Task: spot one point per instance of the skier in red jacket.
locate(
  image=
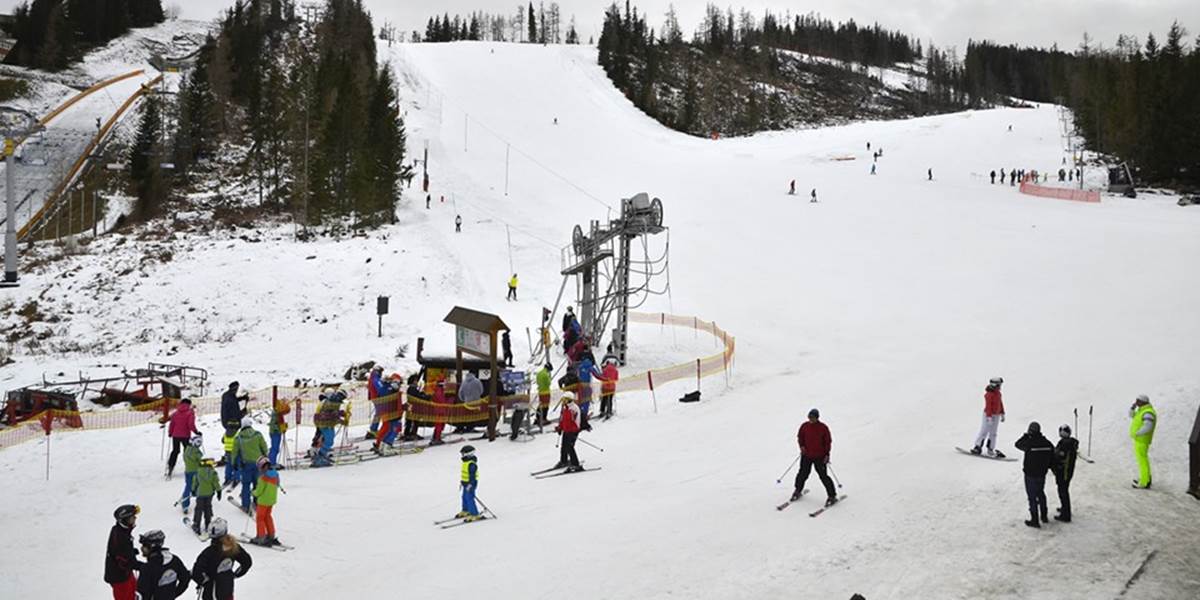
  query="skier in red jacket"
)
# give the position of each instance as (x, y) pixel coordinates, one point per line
(568, 427)
(815, 444)
(993, 415)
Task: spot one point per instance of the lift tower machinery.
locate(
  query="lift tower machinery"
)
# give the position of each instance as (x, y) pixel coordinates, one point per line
(601, 261)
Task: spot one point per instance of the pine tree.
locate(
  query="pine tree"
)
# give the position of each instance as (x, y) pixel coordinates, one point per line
(149, 187)
(533, 26)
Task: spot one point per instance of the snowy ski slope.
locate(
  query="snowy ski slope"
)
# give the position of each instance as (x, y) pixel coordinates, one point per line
(888, 305)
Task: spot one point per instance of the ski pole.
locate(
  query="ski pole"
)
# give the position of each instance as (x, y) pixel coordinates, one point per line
(789, 469)
(590, 444)
(835, 479)
(1076, 430)
(1090, 407)
(485, 507)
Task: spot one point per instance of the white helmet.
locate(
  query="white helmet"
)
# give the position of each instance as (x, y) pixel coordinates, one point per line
(218, 528)
(247, 422)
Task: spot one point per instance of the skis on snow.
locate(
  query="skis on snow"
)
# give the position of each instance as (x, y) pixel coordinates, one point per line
(276, 547)
(461, 521)
(561, 473)
(790, 501)
(818, 512)
(981, 455)
(551, 469)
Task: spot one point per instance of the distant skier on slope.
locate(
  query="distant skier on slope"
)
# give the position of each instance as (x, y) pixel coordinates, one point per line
(993, 177)
(1065, 454)
(1003, 176)
(815, 443)
(792, 189)
(930, 174)
(1039, 455)
(457, 223)
(512, 288)
(993, 415)
(813, 195)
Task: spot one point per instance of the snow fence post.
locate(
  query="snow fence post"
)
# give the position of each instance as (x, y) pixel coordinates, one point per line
(697, 375)
(299, 407)
(162, 447)
(47, 425)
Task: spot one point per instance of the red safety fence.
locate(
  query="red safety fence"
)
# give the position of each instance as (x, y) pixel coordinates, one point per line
(360, 410)
(1060, 193)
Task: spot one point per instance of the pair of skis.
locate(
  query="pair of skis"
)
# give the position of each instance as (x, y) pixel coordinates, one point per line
(458, 521)
(558, 471)
(815, 513)
(276, 547)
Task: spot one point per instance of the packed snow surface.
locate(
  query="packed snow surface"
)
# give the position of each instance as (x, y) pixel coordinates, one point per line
(888, 305)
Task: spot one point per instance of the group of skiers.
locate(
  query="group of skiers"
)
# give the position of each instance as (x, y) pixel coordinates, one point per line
(1015, 176)
(1042, 456)
(247, 461)
(162, 575)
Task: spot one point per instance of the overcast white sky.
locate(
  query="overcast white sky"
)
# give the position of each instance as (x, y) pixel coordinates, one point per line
(946, 22)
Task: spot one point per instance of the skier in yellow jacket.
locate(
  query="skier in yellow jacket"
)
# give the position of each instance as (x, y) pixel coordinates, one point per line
(1142, 422)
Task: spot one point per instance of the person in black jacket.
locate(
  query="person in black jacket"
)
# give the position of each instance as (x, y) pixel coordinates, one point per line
(231, 412)
(214, 569)
(121, 561)
(163, 576)
(1064, 469)
(1039, 455)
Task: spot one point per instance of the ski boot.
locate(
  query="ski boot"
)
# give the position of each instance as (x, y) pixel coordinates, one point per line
(976, 450)
(472, 518)
(462, 514)
(999, 454)
(574, 469)
(796, 495)
(273, 541)
(831, 501)
(1061, 518)
(436, 442)
(1033, 523)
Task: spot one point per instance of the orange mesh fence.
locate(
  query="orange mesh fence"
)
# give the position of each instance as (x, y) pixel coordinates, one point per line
(360, 410)
(1060, 193)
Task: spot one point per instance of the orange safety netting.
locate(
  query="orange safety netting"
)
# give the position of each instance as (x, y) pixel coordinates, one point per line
(359, 410)
(1060, 193)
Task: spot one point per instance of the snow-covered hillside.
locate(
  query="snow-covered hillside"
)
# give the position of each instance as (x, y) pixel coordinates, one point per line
(888, 305)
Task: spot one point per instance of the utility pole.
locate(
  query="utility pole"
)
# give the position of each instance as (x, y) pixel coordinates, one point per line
(17, 125)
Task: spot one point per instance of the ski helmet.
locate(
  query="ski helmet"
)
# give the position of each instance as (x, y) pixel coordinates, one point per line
(197, 440)
(467, 450)
(1143, 399)
(218, 528)
(1064, 431)
(207, 462)
(377, 368)
(233, 386)
(126, 512)
(263, 462)
(814, 413)
(996, 380)
(1035, 427)
(152, 539)
(247, 422)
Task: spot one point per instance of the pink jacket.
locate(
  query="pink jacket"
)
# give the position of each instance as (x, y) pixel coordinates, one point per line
(183, 422)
